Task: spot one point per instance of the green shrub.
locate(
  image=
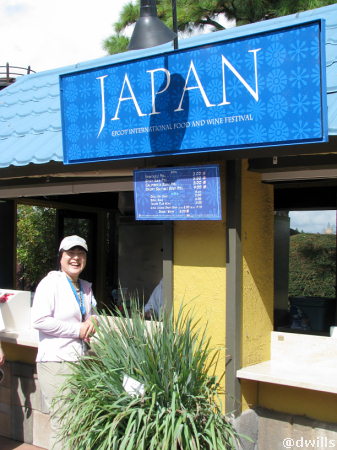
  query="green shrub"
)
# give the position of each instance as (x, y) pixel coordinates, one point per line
(312, 265)
(180, 408)
(36, 255)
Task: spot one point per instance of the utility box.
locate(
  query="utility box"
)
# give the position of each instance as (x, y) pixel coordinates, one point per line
(15, 309)
(317, 312)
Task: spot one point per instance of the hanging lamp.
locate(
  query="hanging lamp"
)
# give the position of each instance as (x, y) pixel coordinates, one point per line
(149, 31)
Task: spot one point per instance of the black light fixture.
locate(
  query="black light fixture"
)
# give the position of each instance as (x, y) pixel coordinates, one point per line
(149, 31)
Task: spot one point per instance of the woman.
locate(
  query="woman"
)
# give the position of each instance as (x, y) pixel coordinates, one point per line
(62, 313)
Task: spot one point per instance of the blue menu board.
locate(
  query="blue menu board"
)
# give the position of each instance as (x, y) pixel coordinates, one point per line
(179, 193)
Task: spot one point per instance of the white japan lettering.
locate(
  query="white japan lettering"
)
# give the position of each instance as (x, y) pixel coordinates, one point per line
(127, 93)
(153, 92)
(255, 93)
(199, 86)
(124, 99)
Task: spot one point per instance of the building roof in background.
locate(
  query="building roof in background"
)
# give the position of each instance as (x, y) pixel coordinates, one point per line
(30, 112)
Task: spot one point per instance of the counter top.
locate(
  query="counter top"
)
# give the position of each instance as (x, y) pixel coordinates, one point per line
(27, 338)
(30, 337)
(303, 376)
(298, 360)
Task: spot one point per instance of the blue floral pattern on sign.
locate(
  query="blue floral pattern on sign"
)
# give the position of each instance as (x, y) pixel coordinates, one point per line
(263, 90)
(277, 107)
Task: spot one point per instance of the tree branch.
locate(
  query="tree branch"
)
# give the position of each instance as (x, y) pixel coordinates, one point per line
(213, 23)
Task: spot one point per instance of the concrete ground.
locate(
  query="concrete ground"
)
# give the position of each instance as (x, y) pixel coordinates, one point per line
(9, 444)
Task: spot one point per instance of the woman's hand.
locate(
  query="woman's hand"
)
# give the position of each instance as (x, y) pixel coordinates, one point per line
(87, 328)
(2, 357)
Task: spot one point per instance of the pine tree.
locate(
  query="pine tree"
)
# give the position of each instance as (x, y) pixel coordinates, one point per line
(194, 16)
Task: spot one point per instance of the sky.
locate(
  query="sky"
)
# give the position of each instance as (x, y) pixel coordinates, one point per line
(46, 34)
(313, 221)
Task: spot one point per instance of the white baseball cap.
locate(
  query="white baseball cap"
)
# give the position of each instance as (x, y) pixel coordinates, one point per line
(73, 241)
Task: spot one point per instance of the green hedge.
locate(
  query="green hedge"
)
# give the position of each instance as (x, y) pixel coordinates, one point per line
(312, 265)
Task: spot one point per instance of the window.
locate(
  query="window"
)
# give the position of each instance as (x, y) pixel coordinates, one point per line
(305, 271)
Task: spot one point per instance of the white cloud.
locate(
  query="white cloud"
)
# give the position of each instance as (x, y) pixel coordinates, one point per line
(46, 34)
(15, 8)
(312, 221)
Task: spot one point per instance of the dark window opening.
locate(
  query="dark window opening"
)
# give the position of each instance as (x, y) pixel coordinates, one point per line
(305, 269)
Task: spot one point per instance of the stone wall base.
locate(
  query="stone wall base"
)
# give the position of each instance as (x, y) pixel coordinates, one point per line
(23, 414)
(24, 417)
(272, 430)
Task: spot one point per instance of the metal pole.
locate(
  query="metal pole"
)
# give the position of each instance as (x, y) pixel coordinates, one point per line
(175, 24)
(234, 286)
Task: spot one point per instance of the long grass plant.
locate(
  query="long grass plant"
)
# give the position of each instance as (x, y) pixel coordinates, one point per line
(179, 407)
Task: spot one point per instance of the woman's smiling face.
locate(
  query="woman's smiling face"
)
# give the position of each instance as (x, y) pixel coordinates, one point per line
(73, 262)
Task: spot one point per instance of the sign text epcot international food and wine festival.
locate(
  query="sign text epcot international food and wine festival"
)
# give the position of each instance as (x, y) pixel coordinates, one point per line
(266, 89)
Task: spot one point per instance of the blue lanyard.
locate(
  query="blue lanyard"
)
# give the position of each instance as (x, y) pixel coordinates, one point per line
(79, 297)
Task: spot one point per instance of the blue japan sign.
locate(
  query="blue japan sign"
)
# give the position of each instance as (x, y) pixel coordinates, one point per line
(179, 193)
(266, 89)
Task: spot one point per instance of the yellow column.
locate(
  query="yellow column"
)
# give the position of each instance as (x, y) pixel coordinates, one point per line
(257, 277)
(199, 276)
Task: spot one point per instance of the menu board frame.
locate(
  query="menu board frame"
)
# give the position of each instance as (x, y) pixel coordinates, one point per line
(178, 193)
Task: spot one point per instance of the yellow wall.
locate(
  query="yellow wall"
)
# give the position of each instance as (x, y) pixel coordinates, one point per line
(303, 402)
(257, 314)
(257, 276)
(258, 268)
(199, 276)
(200, 273)
(20, 353)
(200, 281)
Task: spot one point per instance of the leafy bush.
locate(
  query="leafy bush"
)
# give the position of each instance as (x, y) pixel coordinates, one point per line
(37, 242)
(180, 407)
(312, 265)
(36, 256)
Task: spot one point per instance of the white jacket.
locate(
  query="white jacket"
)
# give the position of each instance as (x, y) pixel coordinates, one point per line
(156, 299)
(57, 316)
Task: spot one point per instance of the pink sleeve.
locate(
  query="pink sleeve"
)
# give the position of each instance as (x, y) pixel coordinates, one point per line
(43, 313)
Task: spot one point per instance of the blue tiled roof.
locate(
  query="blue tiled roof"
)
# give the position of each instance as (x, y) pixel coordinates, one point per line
(30, 115)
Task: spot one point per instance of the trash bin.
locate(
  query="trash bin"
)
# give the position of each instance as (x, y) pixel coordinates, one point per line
(317, 313)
